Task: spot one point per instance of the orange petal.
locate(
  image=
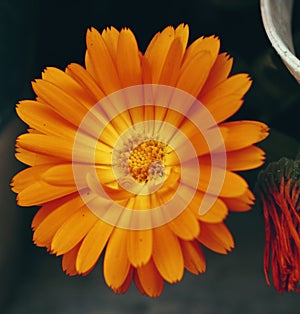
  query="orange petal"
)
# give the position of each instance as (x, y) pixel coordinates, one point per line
(217, 213)
(185, 225)
(244, 133)
(167, 254)
(199, 141)
(175, 118)
(206, 48)
(116, 264)
(226, 98)
(40, 192)
(160, 112)
(194, 259)
(152, 44)
(150, 279)
(100, 64)
(92, 246)
(241, 203)
(210, 44)
(157, 51)
(137, 114)
(170, 70)
(63, 175)
(138, 283)
(47, 209)
(111, 132)
(216, 237)
(191, 79)
(182, 32)
(69, 85)
(139, 202)
(32, 159)
(27, 177)
(44, 119)
(111, 37)
(222, 108)
(237, 160)
(105, 174)
(116, 126)
(73, 230)
(47, 145)
(232, 184)
(219, 72)
(128, 60)
(48, 227)
(139, 246)
(62, 148)
(126, 284)
(42, 213)
(84, 78)
(244, 159)
(146, 70)
(69, 259)
(237, 85)
(61, 102)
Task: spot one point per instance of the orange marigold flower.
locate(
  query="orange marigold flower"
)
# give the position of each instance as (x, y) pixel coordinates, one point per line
(130, 157)
(279, 188)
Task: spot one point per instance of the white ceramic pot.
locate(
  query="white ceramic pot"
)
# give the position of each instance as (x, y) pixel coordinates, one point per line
(277, 17)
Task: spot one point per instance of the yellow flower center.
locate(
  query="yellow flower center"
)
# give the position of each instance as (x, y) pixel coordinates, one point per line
(146, 161)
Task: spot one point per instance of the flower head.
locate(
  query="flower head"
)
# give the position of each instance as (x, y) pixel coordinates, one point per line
(279, 187)
(130, 157)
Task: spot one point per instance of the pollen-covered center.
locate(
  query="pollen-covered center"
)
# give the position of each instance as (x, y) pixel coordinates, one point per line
(146, 161)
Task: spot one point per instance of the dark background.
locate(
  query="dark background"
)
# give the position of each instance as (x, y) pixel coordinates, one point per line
(35, 34)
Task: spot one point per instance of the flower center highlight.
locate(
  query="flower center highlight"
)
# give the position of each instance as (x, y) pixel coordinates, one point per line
(146, 161)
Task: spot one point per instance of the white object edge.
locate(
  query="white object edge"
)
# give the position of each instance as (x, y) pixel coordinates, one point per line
(277, 16)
